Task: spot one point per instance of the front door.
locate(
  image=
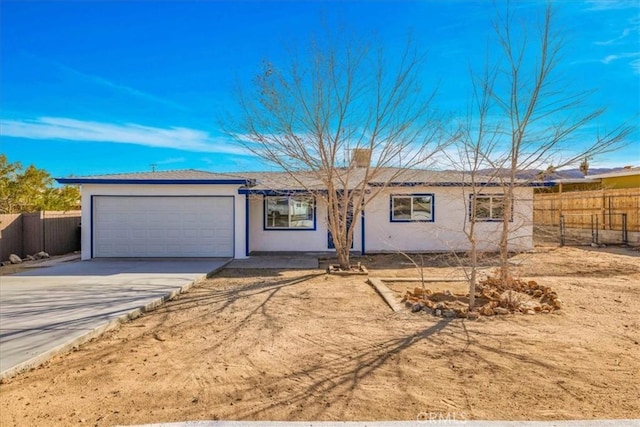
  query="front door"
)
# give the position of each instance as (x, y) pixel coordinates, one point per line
(349, 219)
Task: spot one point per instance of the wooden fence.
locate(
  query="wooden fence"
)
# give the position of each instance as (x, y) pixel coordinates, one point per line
(596, 216)
(608, 208)
(25, 234)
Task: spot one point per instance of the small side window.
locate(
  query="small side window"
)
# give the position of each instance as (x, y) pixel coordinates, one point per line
(489, 207)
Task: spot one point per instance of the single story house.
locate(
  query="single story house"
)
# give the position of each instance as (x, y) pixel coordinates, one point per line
(191, 213)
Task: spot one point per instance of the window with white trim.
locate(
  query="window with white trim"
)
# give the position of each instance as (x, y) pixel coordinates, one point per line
(489, 207)
(412, 208)
(289, 213)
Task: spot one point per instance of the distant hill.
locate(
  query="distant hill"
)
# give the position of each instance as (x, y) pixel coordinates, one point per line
(562, 174)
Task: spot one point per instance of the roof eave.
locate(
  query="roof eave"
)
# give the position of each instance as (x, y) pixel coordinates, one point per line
(458, 184)
(576, 181)
(248, 182)
(619, 174)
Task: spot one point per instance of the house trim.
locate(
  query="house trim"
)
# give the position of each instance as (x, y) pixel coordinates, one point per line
(282, 193)
(362, 233)
(246, 224)
(458, 184)
(91, 227)
(155, 181)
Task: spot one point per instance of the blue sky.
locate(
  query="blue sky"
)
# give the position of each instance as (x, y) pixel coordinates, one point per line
(108, 87)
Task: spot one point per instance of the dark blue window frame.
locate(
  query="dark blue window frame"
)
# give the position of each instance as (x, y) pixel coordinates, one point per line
(289, 198)
(412, 196)
(490, 196)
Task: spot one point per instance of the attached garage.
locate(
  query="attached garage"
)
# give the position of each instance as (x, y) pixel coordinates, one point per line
(164, 214)
(165, 226)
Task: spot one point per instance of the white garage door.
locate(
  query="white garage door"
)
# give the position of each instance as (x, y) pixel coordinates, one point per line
(162, 226)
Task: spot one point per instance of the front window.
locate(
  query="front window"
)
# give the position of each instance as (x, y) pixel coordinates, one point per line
(412, 207)
(489, 207)
(289, 212)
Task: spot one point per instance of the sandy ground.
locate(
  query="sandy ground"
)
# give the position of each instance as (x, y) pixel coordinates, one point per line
(261, 345)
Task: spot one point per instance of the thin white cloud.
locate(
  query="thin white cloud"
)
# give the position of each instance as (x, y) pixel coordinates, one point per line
(170, 161)
(100, 81)
(610, 58)
(595, 5)
(60, 128)
(625, 33)
(634, 64)
(126, 89)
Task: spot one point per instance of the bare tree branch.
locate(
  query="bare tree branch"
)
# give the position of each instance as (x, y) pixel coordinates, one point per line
(537, 120)
(336, 99)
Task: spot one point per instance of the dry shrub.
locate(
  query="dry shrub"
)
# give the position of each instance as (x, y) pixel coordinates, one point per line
(512, 300)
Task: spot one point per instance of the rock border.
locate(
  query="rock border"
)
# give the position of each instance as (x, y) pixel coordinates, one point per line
(359, 270)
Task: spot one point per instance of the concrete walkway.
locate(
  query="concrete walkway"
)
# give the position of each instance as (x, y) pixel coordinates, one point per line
(280, 262)
(46, 311)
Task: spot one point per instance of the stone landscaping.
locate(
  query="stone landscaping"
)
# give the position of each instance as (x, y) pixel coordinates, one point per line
(357, 269)
(15, 259)
(492, 298)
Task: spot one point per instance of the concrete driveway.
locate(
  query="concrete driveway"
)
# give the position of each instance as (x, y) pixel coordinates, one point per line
(50, 310)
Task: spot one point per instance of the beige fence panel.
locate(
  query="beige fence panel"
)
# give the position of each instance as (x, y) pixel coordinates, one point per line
(32, 242)
(578, 207)
(10, 235)
(595, 216)
(61, 232)
(54, 232)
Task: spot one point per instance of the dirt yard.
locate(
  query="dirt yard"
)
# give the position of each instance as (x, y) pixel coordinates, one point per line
(264, 345)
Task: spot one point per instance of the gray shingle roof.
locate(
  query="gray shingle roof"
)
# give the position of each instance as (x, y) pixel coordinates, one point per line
(395, 176)
(181, 174)
(263, 181)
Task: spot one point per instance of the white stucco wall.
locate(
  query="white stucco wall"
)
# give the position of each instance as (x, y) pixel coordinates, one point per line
(261, 240)
(89, 190)
(446, 233)
(381, 235)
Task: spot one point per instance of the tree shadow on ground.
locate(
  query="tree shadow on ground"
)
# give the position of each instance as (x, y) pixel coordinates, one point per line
(340, 375)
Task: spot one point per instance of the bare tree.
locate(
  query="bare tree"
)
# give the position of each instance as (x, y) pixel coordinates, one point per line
(338, 117)
(541, 122)
(476, 142)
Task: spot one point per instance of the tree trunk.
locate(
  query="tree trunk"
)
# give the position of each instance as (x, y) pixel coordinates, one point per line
(343, 258)
(474, 274)
(504, 238)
